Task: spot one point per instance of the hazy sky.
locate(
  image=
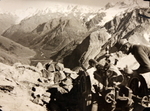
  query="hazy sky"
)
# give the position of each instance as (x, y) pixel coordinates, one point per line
(10, 5)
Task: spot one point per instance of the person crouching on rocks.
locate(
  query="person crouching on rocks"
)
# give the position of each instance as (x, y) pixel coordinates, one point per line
(140, 52)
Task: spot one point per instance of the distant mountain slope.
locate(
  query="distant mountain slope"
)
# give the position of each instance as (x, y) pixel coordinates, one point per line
(11, 52)
(95, 20)
(55, 35)
(49, 37)
(22, 30)
(6, 20)
(69, 39)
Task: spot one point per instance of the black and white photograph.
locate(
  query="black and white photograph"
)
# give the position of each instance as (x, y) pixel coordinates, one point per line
(74, 55)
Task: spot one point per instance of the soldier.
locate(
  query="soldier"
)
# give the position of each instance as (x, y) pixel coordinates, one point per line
(140, 52)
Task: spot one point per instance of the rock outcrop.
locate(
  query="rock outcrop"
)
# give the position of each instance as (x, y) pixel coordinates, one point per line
(24, 87)
(89, 48)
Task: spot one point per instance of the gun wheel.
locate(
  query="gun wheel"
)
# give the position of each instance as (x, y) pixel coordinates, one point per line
(145, 101)
(138, 85)
(109, 98)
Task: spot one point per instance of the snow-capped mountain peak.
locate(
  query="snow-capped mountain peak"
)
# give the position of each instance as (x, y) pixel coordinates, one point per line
(110, 9)
(64, 9)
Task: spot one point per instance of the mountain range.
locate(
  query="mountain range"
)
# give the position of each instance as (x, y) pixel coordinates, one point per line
(72, 35)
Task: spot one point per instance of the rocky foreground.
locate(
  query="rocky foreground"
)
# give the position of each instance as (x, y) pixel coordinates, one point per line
(23, 88)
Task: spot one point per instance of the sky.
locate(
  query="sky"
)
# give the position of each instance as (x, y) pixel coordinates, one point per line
(11, 5)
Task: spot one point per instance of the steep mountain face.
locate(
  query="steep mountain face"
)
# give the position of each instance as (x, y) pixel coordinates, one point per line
(57, 34)
(127, 25)
(130, 25)
(70, 39)
(21, 33)
(89, 48)
(6, 20)
(52, 35)
(95, 20)
(49, 37)
(12, 52)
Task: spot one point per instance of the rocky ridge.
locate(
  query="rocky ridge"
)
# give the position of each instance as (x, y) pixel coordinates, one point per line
(70, 33)
(27, 86)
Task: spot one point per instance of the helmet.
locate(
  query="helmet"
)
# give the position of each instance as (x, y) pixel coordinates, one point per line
(120, 43)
